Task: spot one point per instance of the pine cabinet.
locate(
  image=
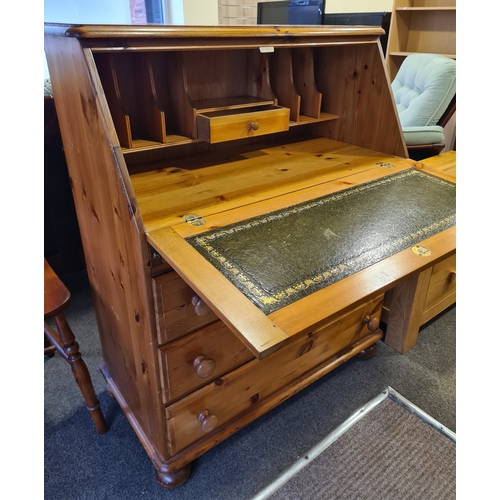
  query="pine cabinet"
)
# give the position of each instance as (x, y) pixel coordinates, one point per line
(171, 133)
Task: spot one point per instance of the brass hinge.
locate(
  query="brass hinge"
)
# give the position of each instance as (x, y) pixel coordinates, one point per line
(194, 220)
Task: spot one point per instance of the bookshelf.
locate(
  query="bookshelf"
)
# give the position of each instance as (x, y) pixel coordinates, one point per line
(420, 26)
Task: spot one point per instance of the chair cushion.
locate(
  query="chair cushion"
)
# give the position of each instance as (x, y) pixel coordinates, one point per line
(423, 88)
(423, 135)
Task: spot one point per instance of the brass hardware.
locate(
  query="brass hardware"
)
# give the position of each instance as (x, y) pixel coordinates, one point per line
(421, 251)
(384, 164)
(194, 220)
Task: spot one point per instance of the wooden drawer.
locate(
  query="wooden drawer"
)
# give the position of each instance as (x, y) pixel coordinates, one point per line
(176, 311)
(442, 288)
(198, 358)
(157, 264)
(230, 124)
(226, 397)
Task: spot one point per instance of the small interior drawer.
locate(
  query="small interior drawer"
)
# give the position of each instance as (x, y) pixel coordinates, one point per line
(230, 124)
(207, 409)
(198, 358)
(178, 310)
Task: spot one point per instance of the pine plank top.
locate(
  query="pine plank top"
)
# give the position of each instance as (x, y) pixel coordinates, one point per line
(243, 177)
(156, 31)
(444, 162)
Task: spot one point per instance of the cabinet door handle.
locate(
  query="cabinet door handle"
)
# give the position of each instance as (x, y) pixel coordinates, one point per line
(204, 366)
(373, 324)
(208, 421)
(200, 308)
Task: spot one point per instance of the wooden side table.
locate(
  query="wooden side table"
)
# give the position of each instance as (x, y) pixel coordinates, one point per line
(57, 298)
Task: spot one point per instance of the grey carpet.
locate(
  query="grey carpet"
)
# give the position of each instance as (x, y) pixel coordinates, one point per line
(81, 464)
(390, 453)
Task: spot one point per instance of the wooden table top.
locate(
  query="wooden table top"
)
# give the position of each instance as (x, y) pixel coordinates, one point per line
(445, 162)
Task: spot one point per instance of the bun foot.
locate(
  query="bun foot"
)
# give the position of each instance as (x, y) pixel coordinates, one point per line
(369, 352)
(175, 479)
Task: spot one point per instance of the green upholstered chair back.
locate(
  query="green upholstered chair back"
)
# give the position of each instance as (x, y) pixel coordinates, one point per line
(423, 88)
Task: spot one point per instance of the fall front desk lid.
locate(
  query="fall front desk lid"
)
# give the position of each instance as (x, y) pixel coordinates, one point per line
(280, 257)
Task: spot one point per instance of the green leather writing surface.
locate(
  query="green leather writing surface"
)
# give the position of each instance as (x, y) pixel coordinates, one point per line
(280, 257)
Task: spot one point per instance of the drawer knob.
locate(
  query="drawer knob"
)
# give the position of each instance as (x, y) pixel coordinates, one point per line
(254, 126)
(208, 421)
(200, 308)
(452, 277)
(204, 366)
(373, 324)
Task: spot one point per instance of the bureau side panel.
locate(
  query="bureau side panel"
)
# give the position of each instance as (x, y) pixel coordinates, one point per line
(355, 86)
(112, 235)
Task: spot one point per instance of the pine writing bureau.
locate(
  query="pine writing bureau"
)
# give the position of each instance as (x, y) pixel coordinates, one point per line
(205, 163)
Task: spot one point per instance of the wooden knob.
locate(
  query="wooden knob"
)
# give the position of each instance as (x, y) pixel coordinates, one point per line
(254, 126)
(208, 421)
(200, 308)
(204, 366)
(452, 277)
(373, 324)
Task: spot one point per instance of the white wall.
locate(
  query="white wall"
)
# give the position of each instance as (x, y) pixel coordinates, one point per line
(174, 11)
(335, 6)
(87, 11)
(201, 12)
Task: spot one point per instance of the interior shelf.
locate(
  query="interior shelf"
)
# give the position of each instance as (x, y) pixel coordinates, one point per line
(323, 117)
(140, 145)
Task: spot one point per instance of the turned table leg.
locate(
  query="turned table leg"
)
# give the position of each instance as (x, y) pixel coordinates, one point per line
(66, 345)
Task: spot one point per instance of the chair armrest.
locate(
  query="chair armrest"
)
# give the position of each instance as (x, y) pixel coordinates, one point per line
(423, 135)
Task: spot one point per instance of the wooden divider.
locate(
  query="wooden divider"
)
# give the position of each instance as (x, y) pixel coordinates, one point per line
(128, 82)
(182, 114)
(109, 82)
(303, 76)
(281, 71)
